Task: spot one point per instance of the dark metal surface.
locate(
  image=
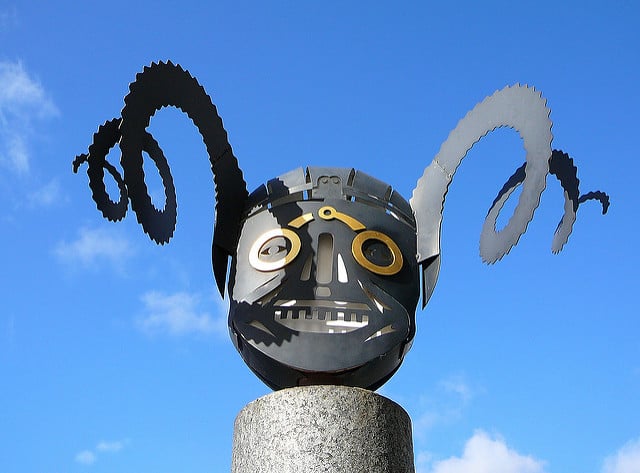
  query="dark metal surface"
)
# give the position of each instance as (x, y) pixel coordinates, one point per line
(326, 263)
(332, 313)
(162, 85)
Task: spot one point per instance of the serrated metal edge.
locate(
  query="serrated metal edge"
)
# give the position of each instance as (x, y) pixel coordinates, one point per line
(518, 107)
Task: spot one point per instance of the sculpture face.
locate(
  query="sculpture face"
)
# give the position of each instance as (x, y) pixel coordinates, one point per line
(325, 263)
(324, 288)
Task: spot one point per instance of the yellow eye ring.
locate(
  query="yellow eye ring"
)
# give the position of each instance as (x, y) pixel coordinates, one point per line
(258, 247)
(358, 253)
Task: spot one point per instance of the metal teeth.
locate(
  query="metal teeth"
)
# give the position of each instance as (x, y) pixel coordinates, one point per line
(320, 320)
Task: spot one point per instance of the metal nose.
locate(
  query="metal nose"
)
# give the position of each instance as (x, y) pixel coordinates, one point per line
(324, 259)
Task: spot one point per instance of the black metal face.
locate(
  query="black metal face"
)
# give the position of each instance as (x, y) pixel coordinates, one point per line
(324, 289)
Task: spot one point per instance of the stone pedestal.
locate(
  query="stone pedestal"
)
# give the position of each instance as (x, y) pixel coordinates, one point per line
(322, 429)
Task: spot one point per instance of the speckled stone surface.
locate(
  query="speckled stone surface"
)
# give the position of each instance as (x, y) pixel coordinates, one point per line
(322, 429)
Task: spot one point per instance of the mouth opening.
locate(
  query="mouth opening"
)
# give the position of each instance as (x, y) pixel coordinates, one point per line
(316, 316)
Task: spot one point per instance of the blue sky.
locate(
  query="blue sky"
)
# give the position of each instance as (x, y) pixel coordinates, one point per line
(114, 354)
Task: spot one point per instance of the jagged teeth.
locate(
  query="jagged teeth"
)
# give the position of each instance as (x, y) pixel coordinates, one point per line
(319, 320)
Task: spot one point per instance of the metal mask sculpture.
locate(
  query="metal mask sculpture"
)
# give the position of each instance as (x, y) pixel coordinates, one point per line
(322, 285)
(326, 263)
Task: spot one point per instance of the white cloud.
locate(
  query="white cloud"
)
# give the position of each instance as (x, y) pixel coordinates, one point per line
(21, 95)
(179, 314)
(17, 153)
(8, 18)
(47, 195)
(93, 245)
(110, 446)
(89, 457)
(86, 457)
(423, 461)
(22, 101)
(482, 454)
(431, 417)
(457, 385)
(446, 404)
(625, 460)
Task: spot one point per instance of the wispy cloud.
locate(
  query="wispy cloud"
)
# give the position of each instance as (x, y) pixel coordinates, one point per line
(179, 314)
(23, 101)
(93, 246)
(8, 18)
(457, 385)
(46, 195)
(86, 457)
(625, 460)
(21, 95)
(89, 457)
(445, 404)
(111, 446)
(482, 454)
(423, 461)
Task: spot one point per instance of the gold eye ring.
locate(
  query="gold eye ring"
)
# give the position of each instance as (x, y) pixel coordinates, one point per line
(274, 249)
(377, 252)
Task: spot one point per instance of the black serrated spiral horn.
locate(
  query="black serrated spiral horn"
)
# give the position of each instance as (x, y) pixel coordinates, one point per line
(104, 139)
(161, 85)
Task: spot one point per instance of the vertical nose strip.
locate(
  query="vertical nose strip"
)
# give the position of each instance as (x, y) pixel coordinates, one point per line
(324, 263)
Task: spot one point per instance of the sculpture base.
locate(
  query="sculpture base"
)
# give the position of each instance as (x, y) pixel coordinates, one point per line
(322, 429)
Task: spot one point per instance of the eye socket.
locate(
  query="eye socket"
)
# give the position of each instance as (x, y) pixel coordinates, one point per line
(274, 249)
(377, 252)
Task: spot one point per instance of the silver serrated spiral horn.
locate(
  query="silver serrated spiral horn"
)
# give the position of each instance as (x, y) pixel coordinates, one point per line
(518, 107)
(562, 167)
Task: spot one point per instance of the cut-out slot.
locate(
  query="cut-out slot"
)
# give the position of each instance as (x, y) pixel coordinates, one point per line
(383, 331)
(323, 291)
(325, 258)
(306, 270)
(342, 270)
(260, 326)
(319, 321)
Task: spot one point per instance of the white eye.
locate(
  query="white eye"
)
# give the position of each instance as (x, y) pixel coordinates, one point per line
(274, 249)
(377, 252)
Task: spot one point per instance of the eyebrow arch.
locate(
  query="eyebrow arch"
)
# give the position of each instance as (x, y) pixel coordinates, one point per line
(301, 220)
